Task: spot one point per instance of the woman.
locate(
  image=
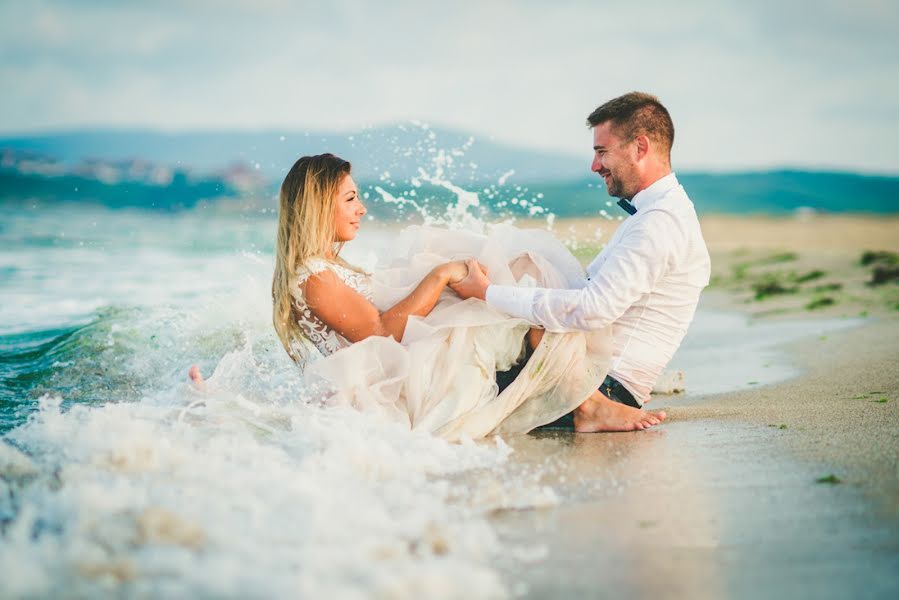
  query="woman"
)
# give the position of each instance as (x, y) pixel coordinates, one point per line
(318, 297)
(399, 343)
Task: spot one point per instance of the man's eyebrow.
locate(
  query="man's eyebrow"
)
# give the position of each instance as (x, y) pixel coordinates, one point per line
(598, 147)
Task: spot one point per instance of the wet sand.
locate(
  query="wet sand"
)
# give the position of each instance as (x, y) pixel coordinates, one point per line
(704, 508)
(788, 489)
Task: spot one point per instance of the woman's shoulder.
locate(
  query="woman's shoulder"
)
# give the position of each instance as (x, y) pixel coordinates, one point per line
(313, 266)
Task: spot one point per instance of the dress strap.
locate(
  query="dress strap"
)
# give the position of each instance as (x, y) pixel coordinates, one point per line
(311, 267)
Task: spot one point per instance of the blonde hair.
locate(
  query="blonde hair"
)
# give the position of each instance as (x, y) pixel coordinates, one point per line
(306, 229)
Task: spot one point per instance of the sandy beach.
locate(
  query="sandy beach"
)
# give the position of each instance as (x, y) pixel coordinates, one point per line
(789, 489)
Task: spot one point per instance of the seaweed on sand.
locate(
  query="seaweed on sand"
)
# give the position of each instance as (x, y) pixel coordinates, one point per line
(741, 269)
(883, 257)
(820, 303)
(771, 285)
(810, 276)
(831, 479)
(884, 274)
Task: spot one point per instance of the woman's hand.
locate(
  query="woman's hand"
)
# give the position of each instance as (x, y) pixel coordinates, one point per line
(475, 283)
(454, 271)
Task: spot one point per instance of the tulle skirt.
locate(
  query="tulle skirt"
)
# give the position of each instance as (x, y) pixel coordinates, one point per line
(442, 376)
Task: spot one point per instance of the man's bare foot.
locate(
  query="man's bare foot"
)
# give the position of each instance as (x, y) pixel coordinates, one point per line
(598, 413)
(196, 378)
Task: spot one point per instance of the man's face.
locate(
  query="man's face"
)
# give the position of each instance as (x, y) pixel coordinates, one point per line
(615, 161)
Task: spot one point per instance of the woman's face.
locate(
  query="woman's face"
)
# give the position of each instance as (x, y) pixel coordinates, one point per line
(348, 210)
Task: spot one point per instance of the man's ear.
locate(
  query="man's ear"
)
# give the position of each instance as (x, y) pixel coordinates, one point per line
(643, 146)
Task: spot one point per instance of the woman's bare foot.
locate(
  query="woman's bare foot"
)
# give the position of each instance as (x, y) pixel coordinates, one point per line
(598, 413)
(196, 378)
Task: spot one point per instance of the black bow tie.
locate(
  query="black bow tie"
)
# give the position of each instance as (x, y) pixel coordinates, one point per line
(627, 206)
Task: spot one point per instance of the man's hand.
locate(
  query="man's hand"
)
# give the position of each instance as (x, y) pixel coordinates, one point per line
(475, 283)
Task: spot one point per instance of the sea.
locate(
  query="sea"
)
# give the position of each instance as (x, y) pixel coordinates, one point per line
(118, 478)
(115, 475)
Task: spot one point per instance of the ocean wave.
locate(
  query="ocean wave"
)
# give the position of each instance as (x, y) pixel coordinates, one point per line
(118, 356)
(116, 478)
(252, 489)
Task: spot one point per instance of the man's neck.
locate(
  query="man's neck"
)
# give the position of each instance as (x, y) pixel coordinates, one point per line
(651, 176)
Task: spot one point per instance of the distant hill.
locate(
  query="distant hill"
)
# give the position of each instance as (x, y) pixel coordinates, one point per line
(399, 149)
(126, 168)
(772, 192)
(779, 192)
(180, 194)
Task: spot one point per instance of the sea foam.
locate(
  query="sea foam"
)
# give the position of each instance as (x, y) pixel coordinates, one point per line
(129, 482)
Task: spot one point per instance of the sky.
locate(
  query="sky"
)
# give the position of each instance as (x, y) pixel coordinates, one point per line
(801, 83)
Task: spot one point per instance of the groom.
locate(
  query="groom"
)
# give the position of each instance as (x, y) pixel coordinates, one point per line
(645, 282)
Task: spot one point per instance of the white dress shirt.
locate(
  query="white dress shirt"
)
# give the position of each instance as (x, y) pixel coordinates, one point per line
(645, 283)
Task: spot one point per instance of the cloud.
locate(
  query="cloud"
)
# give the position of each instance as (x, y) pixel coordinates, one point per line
(761, 84)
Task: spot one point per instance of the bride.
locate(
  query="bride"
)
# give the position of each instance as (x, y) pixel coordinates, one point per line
(401, 344)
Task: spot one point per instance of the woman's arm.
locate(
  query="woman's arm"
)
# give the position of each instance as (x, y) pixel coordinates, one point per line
(348, 312)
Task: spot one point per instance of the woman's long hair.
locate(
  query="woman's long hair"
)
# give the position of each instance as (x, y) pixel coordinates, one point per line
(306, 229)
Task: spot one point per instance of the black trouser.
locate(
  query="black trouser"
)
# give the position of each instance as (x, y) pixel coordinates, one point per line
(611, 388)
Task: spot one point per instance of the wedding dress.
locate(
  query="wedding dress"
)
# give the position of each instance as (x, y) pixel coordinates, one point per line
(441, 376)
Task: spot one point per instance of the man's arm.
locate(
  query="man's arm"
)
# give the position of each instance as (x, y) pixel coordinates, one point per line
(632, 269)
(515, 301)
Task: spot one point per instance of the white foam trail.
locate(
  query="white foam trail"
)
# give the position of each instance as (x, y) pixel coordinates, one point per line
(241, 499)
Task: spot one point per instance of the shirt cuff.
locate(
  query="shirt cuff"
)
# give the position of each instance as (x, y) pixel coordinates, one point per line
(515, 301)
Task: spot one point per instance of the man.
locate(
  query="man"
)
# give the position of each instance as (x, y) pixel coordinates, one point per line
(646, 281)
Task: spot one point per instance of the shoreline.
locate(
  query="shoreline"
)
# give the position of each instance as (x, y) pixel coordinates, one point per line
(840, 411)
(784, 490)
(789, 489)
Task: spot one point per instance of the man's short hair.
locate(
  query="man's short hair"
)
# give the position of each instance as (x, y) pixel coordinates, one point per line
(637, 113)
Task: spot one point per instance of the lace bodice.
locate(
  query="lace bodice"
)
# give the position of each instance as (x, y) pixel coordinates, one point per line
(323, 337)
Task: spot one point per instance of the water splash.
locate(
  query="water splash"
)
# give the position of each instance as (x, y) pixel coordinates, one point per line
(441, 170)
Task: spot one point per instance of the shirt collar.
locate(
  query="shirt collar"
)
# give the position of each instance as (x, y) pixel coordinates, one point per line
(650, 195)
